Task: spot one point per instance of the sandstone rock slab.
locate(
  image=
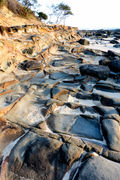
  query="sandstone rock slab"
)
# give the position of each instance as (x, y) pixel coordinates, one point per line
(111, 130)
(99, 168)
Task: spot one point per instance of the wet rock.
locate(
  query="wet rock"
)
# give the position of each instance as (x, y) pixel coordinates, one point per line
(117, 45)
(84, 96)
(104, 86)
(41, 158)
(61, 76)
(98, 71)
(118, 109)
(86, 87)
(83, 42)
(114, 41)
(28, 51)
(71, 153)
(8, 133)
(86, 127)
(111, 130)
(114, 66)
(105, 110)
(94, 52)
(112, 116)
(112, 155)
(106, 101)
(73, 140)
(70, 85)
(59, 93)
(66, 61)
(77, 50)
(104, 62)
(98, 168)
(60, 122)
(79, 78)
(27, 110)
(31, 65)
(111, 54)
(92, 147)
(60, 110)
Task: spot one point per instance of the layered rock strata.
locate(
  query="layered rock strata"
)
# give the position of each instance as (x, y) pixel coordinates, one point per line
(59, 104)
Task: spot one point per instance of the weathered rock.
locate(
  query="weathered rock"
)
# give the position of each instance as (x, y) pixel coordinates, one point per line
(114, 66)
(112, 155)
(98, 168)
(71, 153)
(94, 52)
(41, 158)
(84, 42)
(117, 45)
(112, 116)
(73, 140)
(86, 127)
(28, 51)
(105, 86)
(54, 116)
(86, 87)
(92, 147)
(65, 61)
(8, 133)
(111, 54)
(61, 76)
(111, 130)
(106, 101)
(104, 62)
(27, 110)
(60, 122)
(32, 65)
(59, 93)
(106, 111)
(114, 41)
(98, 71)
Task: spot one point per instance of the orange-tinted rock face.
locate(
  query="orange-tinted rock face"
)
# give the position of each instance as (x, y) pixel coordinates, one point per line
(8, 133)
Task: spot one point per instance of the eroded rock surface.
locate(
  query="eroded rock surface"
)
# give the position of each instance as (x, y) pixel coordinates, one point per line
(59, 103)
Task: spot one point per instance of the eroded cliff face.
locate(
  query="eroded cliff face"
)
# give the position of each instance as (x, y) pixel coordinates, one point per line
(59, 104)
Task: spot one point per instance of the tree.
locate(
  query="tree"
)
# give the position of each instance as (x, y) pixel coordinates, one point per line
(29, 3)
(42, 16)
(61, 12)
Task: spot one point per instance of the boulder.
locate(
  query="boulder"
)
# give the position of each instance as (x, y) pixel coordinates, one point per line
(111, 54)
(111, 131)
(31, 65)
(114, 42)
(86, 127)
(114, 65)
(112, 155)
(37, 157)
(98, 168)
(104, 62)
(83, 42)
(117, 45)
(98, 71)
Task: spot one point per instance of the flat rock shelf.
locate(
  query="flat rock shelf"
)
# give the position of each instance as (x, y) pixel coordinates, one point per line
(59, 103)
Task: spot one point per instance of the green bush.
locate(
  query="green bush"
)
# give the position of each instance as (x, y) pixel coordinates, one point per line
(42, 15)
(3, 2)
(17, 8)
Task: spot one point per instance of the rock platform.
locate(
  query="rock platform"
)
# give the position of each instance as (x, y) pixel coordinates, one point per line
(59, 103)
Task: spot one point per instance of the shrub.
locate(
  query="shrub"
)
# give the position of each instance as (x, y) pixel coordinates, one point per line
(3, 2)
(17, 8)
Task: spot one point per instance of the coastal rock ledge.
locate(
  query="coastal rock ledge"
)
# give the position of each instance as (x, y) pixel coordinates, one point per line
(59, 103)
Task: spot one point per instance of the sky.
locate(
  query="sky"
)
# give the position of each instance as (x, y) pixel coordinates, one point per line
(89, 14)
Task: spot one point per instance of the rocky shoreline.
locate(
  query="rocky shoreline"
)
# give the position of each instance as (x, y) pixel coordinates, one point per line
(59, 103)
